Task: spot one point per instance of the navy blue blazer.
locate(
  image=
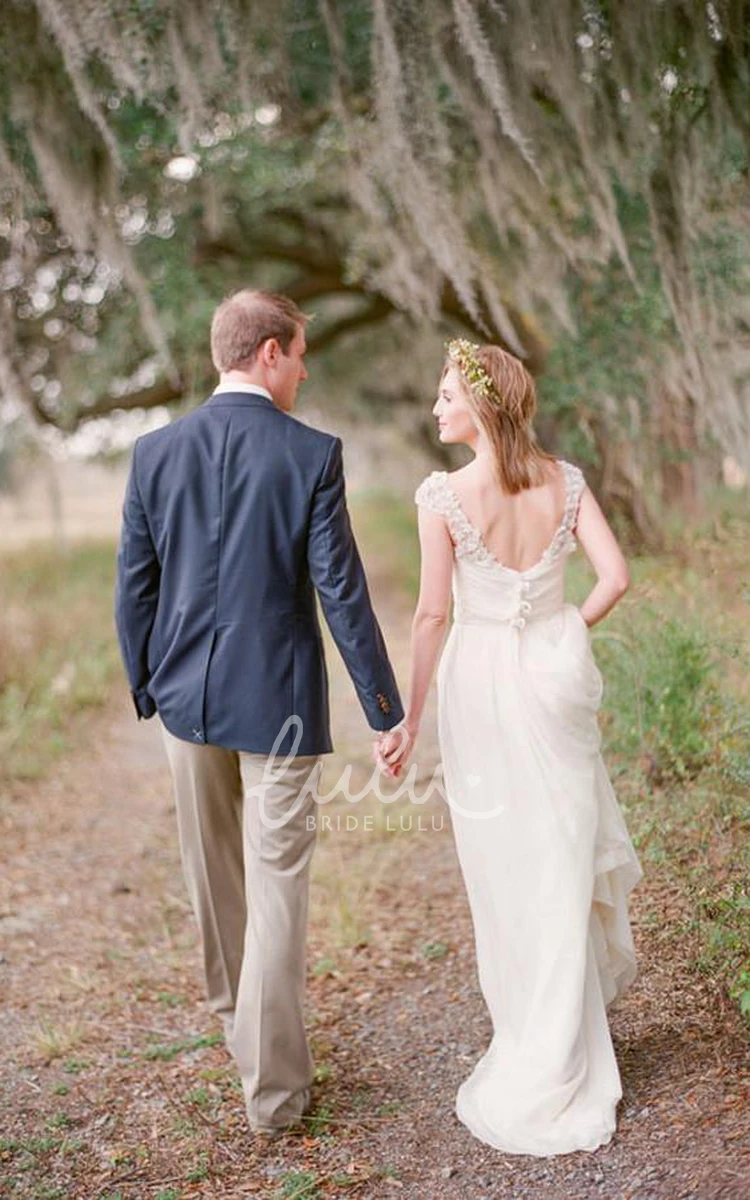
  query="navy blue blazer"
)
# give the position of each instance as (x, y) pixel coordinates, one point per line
(234, 517)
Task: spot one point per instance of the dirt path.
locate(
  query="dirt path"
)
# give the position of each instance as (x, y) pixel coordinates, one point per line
(116, 1081)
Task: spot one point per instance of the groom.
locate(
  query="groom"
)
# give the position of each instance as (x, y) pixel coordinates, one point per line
(234, 517)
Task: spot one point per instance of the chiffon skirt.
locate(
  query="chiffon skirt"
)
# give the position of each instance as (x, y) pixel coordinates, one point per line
(548, 864)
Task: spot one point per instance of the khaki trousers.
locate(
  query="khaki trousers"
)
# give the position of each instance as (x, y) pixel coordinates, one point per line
(246, 850)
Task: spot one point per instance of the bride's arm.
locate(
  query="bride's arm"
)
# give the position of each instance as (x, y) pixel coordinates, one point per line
(427, 633)
(430, 618)
(601, 549)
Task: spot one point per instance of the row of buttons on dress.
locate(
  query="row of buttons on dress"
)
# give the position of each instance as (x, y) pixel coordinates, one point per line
(523, 607)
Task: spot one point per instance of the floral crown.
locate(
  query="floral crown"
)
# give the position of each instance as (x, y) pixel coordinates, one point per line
(464, 354)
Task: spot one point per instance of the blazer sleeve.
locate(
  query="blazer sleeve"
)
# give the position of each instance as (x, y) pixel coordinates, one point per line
(338, 575)
(136, 592)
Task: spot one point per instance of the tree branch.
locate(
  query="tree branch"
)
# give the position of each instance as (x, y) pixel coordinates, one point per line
(164, 392)
(158, 394)
(378, 309)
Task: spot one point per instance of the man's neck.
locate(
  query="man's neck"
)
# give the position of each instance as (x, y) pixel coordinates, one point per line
(251, 379)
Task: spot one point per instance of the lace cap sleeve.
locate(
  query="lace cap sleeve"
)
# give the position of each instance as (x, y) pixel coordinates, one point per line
(576, 484)
(431, 494)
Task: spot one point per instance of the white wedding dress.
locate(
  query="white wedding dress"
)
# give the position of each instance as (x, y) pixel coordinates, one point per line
(545, 854)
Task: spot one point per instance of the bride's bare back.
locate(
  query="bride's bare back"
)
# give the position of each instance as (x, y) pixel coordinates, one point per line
(516, 529)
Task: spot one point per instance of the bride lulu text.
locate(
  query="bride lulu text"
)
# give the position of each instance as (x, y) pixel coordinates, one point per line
(402, 823)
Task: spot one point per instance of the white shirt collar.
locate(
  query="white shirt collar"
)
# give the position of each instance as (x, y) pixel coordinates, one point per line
(242, 387)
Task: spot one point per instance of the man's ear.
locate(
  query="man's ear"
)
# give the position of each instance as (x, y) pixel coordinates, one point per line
(270, 352)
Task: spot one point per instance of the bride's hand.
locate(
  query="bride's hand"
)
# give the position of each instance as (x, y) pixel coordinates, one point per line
(394, 748)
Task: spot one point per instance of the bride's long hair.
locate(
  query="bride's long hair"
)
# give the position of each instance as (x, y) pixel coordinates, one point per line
(518, 461)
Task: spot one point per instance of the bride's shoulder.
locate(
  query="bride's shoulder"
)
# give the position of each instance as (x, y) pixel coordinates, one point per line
(573, 473)
(431, 492)
(575, 483)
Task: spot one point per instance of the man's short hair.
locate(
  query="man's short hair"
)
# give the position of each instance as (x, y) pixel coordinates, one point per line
(248, 318)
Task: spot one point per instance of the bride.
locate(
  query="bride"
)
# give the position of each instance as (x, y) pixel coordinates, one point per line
(546, 857)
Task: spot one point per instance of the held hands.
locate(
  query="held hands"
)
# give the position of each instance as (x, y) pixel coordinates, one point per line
(394, 747)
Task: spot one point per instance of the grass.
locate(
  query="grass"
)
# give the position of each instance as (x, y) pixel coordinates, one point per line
(385, 529)
(165, 1053)
(299, 1185)
(340, 905)
(676, 726)
(55, 1041)
(58, 651)
(435, 950)
(345, 893)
